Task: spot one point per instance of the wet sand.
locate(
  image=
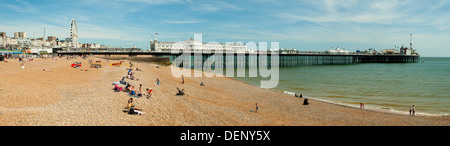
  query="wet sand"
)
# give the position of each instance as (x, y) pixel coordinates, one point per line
(68, 96)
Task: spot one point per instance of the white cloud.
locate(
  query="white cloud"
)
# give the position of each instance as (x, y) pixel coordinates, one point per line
(22, 7)
(330, 11)
(182, 22)
(156, 2)
(440, 4)
(212, 6)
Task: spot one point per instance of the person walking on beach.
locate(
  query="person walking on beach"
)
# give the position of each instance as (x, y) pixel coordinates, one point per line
(256, 107)
(157, 81)
(140, 88)
(414, 110)
(410, 112)
(182, 78)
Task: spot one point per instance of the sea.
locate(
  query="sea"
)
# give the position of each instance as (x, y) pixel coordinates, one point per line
(390, 87)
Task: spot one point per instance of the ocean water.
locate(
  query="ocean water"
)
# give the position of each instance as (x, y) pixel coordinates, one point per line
(392, 87)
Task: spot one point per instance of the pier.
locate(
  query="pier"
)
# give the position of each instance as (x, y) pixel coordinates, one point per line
(252, 59)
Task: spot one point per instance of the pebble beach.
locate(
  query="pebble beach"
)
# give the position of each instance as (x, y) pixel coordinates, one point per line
(64, 96)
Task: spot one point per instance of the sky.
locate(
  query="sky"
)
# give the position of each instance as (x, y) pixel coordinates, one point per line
(307, 25)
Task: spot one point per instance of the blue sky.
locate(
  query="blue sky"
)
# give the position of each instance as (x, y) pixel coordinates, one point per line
(302, 24)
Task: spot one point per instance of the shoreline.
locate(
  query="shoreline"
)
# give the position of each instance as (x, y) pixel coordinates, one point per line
(368, 107)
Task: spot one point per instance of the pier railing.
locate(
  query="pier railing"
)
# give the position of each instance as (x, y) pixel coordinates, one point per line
(228, 51)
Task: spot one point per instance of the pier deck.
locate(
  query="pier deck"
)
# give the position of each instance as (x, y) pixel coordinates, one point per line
(252, 59)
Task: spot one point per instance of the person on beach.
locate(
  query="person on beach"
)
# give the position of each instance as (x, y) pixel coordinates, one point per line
(305, 102)
(117, 88)
(256, 104)
(133, 92)
(410, 112)
(202, 84)
(182, 78)
(157, 81)
(130, 103)
(132, 109)
(180, 92)
(140, 88)
(130, 88)
(123, 81)
(414, 110)
(150, 92)
(127, 87)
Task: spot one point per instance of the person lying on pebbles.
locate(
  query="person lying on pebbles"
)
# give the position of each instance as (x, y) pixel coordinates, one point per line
(180, 92)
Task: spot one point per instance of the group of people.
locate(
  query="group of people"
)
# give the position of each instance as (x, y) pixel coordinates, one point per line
(7, 55)
(132, 91)
(131, 74)
(135, 92)
(305, 101)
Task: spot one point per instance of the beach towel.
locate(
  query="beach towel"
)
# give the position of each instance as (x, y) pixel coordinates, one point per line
(117, 88)
(132, 111)
(139, 112)
(116, 83)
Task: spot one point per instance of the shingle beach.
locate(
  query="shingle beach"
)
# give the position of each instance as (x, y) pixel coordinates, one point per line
(61, 95)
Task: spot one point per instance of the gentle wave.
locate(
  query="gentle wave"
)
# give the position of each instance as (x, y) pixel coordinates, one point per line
(369, 106)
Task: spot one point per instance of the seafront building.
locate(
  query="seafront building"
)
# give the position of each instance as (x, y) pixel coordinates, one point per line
(194, 45)
(20, 35)
(20, 42)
